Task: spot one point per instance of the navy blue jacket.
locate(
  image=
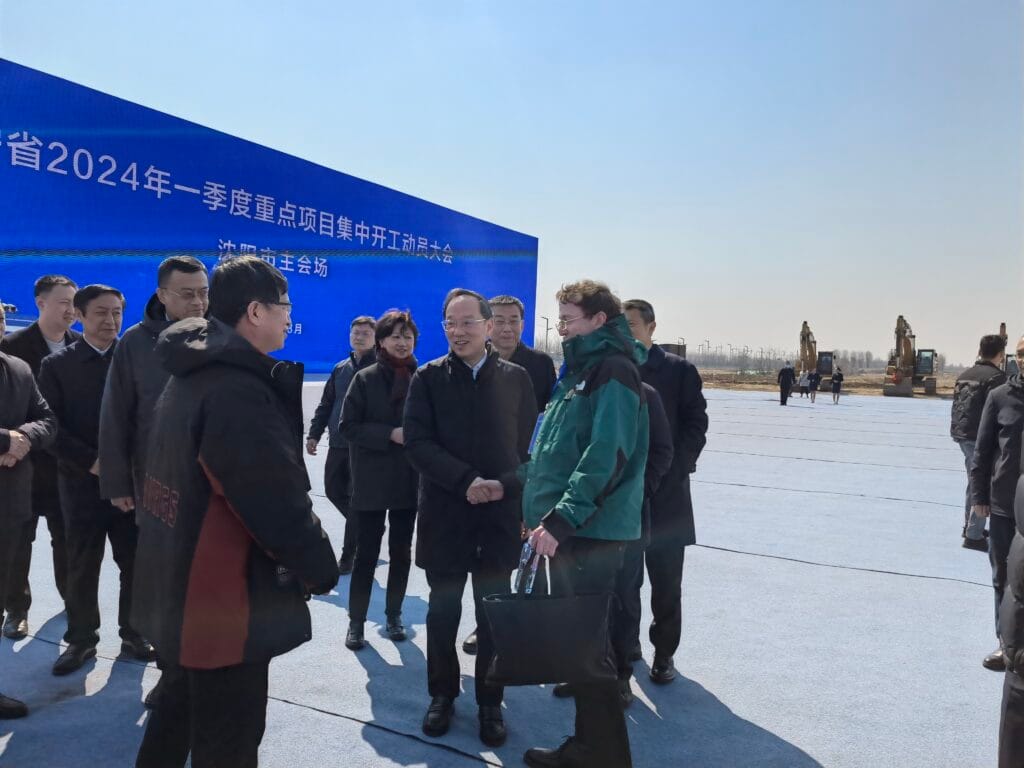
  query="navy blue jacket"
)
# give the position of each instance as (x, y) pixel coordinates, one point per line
(328, 412)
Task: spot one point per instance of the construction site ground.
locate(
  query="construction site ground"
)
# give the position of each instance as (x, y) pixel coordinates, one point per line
(831, 618)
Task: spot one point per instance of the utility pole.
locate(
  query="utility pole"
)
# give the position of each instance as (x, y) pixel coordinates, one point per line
(547, 330)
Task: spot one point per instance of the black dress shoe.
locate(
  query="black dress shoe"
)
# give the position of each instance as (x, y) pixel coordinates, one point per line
(981, 545)
(663, 670)
(563, 691)
(394, 629)
(354, 640)
(625, 693)
(492, 727)
(994, 661)
(138, 648)
(345, 564)
(469, 645)
(11, 709)
(569, 755)
(73, 658)
(152, 700)
(16, 626)
(438, 719)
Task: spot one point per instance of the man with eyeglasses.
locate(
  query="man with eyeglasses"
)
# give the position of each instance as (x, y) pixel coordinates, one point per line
(337, 473)
(137, 378)
(509, 313)
(995, 470)
(226, 525)
(468, 417)
(969, 395)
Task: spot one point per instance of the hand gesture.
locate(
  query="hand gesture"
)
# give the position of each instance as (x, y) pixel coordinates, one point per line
(20, 445)
(543, 542)
(485, 491)
(311, 446)
(124, 503)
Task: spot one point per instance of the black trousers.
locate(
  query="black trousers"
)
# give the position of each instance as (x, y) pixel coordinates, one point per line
(86, 542)
(18, 594)
(219, 715)
(783, 393)
(371, 532)
(443, 616)
(590, 566)
(1011, 723)
(665, 570)
(1000, 535)
(626, 623)
(338, 487)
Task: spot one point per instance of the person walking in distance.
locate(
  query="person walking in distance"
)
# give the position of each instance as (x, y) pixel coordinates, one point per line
(786, 379)
(837, 384)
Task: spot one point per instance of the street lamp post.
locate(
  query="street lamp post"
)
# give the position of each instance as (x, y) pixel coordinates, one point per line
(547, 330)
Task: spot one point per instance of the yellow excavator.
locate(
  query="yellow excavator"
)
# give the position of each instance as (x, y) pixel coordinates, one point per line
(813, 360)
(909, 367)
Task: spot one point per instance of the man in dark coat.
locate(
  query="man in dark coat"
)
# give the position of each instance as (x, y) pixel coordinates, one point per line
(54, 295)
(337, 469)
(469, 416)
(72, 382)
(227, 528)
(26, 424)
(969, 394)
(672, 528)
(786, 378)
(1011, 620)
(137, 378)
(509, 313)
(994, 474)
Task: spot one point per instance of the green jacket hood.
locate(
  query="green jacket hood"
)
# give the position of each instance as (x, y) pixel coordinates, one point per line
(611, 338)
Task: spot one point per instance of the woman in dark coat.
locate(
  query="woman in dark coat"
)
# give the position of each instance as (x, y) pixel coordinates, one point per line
(383, 482)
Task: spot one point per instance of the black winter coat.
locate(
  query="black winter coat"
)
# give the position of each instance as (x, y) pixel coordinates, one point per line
(997, 452)
(24, 410)
(787, 376)
(30, 345)
(456, 430)
(226, 529)
(969, 394)
(1011, 612)
(541, 368)
(680, 387)
(659, 456)
(72, 382)
(134, 383)
(382, 477)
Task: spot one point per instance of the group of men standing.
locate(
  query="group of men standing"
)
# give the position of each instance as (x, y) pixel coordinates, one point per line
(182, 444)
(987, 422)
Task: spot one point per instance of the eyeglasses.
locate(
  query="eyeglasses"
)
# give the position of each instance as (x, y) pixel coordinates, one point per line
(190, 294)
(465, 325)
(565, 322)
(286, 305)
(507, 323)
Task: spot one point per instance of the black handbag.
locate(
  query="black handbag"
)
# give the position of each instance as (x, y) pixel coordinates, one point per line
(546, 639)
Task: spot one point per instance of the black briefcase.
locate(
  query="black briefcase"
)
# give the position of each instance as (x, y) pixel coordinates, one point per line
(545, 639)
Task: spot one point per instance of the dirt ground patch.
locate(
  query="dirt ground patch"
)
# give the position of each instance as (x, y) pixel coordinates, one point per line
(869, 383)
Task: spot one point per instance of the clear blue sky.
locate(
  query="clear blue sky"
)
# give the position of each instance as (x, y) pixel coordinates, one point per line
(745, 165)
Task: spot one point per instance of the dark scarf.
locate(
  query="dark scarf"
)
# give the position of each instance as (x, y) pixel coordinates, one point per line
(403, 371)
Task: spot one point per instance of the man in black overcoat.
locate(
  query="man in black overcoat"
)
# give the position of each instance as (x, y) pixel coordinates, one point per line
(54, 296)
(672, 528)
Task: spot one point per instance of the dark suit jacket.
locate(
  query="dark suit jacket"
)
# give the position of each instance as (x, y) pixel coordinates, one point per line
(541, 368)
(72, 382)
(29, 345)
(679, 385)
(23, 409)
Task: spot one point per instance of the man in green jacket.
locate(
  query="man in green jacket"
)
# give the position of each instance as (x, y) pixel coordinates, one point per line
(583, 490)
